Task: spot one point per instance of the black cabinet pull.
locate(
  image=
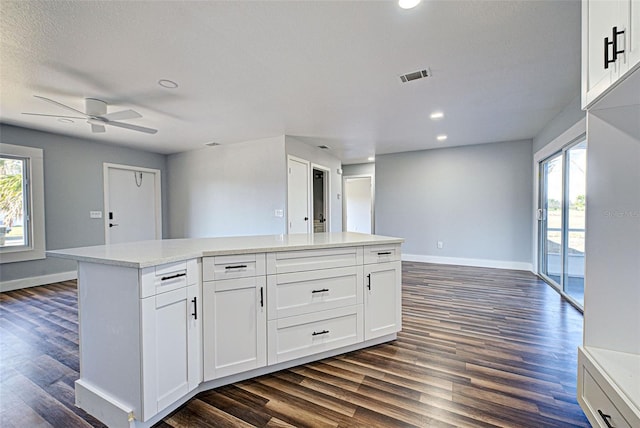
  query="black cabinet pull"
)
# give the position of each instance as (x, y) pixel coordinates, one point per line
(318, 333)
(605, 418)
(261, 297)
(614, 47)
(369, 281)
(236, 267)
(384, 253)
(178, 275)
(320, 291)
(195, 308)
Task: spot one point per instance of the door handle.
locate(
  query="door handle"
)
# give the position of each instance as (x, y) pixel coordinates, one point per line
(195, 308)
(306, 218)
(261, 297)
(369, 281)
(112, 224)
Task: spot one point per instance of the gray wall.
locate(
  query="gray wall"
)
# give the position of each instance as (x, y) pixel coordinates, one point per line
(73, 186)
(476, 199)
(568, 117)
(228, 190)
(359, 169)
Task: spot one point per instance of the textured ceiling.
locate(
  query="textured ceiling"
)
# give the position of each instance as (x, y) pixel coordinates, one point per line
(324, 71)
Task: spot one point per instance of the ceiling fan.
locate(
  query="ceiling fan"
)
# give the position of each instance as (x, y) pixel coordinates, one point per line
(97, 116)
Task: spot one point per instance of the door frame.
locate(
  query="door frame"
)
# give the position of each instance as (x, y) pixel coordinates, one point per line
(345, 196)
(157, 179)
(327, 195)
(309, 193)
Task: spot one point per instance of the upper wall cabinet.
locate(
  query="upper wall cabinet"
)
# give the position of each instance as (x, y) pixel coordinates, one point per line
(610, 45)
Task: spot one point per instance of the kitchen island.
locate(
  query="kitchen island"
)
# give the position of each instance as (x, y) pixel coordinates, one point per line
(160, 321)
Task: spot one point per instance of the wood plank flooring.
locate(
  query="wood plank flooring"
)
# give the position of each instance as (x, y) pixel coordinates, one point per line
(479, 348)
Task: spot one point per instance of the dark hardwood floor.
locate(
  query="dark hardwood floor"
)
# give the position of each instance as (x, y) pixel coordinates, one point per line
(479, 347)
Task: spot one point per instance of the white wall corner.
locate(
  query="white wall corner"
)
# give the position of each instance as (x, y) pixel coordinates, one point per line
(496, 264)
(35, 281)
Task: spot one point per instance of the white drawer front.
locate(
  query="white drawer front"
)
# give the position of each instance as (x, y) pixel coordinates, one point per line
(168, 277)
(305, 260)
(381, 253)
(233, 266)
(298, 293)
(600, 404)
(296, 337)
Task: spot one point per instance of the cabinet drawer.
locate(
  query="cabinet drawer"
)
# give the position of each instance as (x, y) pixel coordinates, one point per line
(295, 337)
(233, 266)
(168, 277)
(598, 396)
(381, 253)
(298, 293)
(305, 260)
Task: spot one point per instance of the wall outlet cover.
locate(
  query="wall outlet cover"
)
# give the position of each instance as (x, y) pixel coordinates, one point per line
(279, 213)
(95, 214)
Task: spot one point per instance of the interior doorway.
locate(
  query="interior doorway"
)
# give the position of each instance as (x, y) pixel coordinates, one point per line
(132, 203)
(298, 201)
(358, 204)
(320, 203)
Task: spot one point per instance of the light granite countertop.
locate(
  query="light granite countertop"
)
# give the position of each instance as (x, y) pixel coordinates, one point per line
(152, 253)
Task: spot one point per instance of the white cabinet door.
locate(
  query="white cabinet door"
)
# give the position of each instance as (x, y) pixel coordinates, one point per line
(235, 332)
(599, 17)
(382, 299)
(170, 334)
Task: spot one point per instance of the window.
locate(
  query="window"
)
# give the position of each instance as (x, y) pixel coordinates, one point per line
(21, 204)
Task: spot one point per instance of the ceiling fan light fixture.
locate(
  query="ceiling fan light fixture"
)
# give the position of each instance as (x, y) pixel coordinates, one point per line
(166, 83)
(408, 4)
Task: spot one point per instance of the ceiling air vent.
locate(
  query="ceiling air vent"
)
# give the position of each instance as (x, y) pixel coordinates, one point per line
(415, 75)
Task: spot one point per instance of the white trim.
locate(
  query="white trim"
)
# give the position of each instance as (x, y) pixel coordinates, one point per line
(497, 264)
(34, 281)
(573, 133)
(37, 245)
(157, 179)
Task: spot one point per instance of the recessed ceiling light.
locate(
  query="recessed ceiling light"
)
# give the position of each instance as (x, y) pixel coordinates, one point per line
(371, 158)
(441, 137)
(65, 120)
(166, 83)
(408, 4)
(436, 115)
(211, 144)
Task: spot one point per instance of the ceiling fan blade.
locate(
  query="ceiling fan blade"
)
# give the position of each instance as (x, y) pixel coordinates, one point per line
(54, 115)
(122, 115)
(61, 105)
(132, 127)
(97, 128)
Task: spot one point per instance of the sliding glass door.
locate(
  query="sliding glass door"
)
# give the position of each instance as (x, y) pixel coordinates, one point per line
(561, 218)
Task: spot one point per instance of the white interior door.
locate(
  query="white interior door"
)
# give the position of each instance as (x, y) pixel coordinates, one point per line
(298, 196)
(132, 204)
(358, 204)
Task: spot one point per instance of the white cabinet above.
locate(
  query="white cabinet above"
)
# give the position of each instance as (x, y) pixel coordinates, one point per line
(610, 45)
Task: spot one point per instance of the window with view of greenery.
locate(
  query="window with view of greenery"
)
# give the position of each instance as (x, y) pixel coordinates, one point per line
(13, 202)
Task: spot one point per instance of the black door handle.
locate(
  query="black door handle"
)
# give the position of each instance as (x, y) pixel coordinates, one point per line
(261, 297)
(369, 281)
(318, 333)
(112, 224)
(605, 418)
(306, 218)
(195, 308)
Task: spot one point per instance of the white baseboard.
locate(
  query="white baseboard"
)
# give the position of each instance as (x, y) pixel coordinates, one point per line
(34, 281)
(498, 264)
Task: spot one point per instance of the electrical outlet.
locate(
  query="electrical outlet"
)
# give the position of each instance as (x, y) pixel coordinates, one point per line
(440, 245)
(95, 214)
(278, 213)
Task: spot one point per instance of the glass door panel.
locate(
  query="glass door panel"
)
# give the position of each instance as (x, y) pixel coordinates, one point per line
(576, 190)
(551, 227)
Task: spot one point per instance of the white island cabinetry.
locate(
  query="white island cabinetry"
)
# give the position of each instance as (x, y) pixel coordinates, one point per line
(235, 316)
(160, 321)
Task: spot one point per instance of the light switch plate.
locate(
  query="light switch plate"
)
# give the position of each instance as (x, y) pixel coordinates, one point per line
(279, 213)
(95, 214)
